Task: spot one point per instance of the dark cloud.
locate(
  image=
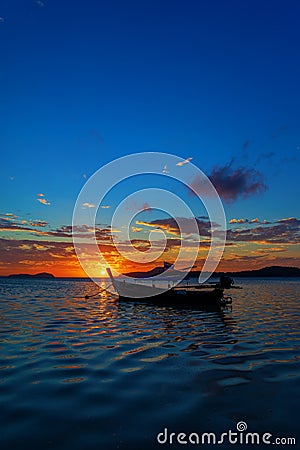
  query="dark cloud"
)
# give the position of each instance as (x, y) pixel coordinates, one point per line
(83, 231)
(31, 252)
(171, 225)
(232, 183)
(8, 224)
(285, 231)
(289, 221)
(65, 231)
(19, 250)
(144, 245)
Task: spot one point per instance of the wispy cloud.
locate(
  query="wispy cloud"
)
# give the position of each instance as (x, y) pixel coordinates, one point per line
(87, 205)
(13, 216)
(134, 206)
(136, 229)
(185, 161)
(8, 224)
(41, 199)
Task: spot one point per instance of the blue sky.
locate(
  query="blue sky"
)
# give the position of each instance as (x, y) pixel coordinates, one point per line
(85, 82)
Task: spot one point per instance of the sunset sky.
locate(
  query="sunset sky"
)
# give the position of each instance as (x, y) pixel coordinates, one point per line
(83, 83)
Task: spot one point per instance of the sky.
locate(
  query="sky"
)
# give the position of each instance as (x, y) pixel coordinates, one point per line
(83, 83)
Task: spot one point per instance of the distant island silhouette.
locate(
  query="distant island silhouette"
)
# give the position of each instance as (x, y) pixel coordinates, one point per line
(37, 275)
(265, 272)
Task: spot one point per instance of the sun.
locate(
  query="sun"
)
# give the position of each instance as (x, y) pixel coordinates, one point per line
(103, 272)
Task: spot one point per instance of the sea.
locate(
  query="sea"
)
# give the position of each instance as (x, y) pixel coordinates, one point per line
(99, 374)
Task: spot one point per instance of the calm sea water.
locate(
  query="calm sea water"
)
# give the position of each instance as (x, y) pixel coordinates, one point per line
(99, 374)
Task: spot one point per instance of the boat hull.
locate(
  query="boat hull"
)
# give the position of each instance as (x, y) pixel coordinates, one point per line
(178, 297)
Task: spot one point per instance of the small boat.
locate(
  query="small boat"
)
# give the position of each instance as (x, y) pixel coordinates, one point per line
(206, 294)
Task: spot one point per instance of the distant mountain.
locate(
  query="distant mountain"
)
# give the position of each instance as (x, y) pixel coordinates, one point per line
(265, 272)
(272, 271)
(37, 275)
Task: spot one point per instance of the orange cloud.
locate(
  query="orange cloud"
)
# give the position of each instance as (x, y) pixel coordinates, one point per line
(36, 223)
(136, 229)
(237, 221)
(185, 161)
(43, 201)
(256, 220)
